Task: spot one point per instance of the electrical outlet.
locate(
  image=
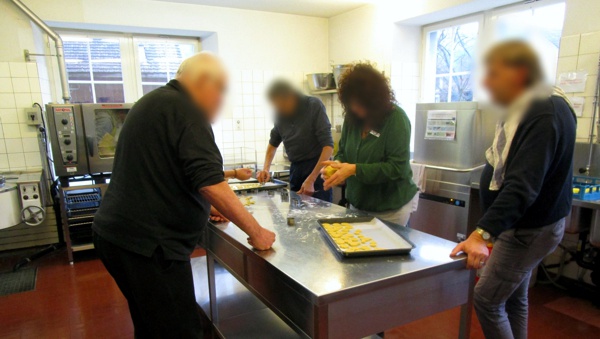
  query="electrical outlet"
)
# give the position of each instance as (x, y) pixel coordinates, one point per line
(34, 117)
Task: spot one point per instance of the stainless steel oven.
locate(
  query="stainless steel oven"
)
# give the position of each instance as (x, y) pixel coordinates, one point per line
(84, 136)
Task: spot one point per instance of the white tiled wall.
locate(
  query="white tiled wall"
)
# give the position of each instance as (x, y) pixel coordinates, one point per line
(580, 52)
(20, 87)
(405, 80)
(243, 130)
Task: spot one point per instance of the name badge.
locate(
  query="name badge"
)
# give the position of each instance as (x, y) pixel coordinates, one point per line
(375, 133)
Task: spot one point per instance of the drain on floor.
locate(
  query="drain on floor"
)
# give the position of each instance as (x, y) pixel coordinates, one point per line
(17, 282)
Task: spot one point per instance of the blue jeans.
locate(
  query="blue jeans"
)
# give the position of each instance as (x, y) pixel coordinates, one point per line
(500, 296)
(300, 170)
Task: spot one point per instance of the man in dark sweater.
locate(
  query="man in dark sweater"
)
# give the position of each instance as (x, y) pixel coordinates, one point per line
(525, 188)
(167, 173)
(301, 123)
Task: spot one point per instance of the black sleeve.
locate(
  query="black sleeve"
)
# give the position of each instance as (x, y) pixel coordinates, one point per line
(200, 156)
(321, 125)
(275, 139)
(524, 176)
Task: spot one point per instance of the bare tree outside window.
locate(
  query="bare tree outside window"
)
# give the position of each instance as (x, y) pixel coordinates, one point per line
(454, 61)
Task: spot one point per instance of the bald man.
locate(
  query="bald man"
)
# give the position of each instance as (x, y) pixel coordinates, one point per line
(167, 173)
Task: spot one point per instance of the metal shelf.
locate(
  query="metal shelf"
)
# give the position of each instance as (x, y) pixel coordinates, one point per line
(326, 91)
(83, 247)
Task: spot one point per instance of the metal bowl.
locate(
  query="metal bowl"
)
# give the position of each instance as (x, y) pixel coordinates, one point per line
(320, 81)
(338, 70)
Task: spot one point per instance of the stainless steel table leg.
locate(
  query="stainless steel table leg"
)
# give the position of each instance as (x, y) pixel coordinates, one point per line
(321, 322)
(212, 289)
(466, 310)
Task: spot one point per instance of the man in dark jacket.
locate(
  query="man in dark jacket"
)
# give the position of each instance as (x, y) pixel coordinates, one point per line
(167, 173)
(525, 188)
(301, 123)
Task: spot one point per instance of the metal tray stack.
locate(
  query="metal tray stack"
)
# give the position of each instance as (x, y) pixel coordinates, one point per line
(363, 236)
(246, 186)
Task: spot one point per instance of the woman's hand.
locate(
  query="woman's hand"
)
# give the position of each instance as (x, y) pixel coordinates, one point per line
(344, 171)
(243, 173)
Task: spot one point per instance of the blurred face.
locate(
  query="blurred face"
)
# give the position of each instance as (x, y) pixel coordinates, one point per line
(208, 93)
(285, 105)
(503, 82)
(359, 110)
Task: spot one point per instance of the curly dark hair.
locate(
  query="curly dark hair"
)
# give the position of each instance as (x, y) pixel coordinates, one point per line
(364, 84)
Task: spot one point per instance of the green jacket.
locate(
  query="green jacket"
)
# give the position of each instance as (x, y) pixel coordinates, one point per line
(383, 178)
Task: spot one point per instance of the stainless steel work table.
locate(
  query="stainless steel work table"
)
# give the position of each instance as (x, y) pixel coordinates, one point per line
(317, 293)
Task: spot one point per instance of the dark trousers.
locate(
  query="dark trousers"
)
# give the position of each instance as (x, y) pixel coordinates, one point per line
(160, 292)
(300, 170)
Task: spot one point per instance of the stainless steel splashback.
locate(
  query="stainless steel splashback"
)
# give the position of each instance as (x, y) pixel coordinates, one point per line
(474, 134)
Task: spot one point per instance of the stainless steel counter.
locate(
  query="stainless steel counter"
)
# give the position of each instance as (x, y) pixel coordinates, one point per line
(321, 295)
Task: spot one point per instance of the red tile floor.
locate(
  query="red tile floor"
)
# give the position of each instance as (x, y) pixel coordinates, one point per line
(82, 301)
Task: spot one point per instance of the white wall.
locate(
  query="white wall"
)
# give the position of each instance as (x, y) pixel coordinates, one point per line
(250, 42)
(246, 39)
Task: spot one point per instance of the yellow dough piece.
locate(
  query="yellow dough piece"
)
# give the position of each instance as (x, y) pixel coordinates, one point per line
(373, 244)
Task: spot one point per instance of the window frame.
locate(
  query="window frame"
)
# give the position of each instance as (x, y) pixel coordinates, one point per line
(138, 68)
(428, 73)
(130, 63)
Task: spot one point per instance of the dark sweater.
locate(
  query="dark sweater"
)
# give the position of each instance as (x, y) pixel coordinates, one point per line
(305, 133)
(166, 153)
(537, 187)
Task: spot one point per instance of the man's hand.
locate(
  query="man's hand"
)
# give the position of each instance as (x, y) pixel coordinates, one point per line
(476, 250)
(308, 187)
(224, 200)
(262, 240)
(216, 216)
(243, 173)
(263, 176)
(344, 171)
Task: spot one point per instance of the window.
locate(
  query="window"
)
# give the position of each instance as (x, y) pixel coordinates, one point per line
(450, 60)
(159, 60)
(451, 48)
(94, 69)
(120, 68)
(540, 25)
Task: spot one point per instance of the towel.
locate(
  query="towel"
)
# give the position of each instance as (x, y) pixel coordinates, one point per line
(418, 171)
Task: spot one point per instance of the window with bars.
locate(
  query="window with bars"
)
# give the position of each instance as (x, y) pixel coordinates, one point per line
(104, 68)
(451, 47)
(94, 69)
(159, 60)
(450, 62)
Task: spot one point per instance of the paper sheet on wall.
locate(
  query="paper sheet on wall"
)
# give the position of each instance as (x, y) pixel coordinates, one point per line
(571, 82)
(577, 103)
(441, 125)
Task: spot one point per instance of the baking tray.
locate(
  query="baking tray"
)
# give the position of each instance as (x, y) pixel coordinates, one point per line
(252, 186)
(387, 242)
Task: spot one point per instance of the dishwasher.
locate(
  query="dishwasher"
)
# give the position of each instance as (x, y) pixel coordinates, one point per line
(450, 142)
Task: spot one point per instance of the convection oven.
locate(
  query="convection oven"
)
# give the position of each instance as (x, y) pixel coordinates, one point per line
(84, 136)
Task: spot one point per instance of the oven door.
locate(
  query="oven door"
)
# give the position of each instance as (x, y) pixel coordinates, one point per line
(103, 124)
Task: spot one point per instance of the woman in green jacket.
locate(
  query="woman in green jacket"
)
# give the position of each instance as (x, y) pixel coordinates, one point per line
(374, 151)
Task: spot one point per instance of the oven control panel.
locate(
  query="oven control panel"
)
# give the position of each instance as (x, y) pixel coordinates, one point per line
(64, 120)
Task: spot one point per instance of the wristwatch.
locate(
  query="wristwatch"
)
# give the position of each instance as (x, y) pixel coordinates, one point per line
(483, 233)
